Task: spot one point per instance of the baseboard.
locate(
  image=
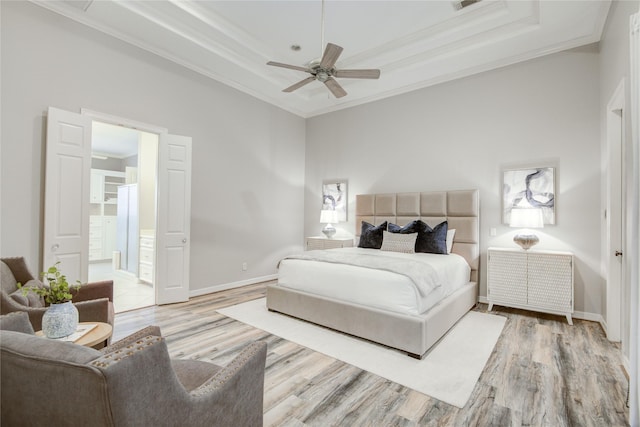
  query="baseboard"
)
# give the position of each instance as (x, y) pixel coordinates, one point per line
(582, 315)
(232, 285)
(593, 317)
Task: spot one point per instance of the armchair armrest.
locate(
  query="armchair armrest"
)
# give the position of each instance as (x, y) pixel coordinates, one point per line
(95, 290)
(98, 310)
(131, 339)
(236, 392)
(145, 390)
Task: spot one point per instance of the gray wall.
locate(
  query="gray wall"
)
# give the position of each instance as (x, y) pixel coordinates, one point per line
(249, 159)
(248, 156)
(614, 68)
(462, 134)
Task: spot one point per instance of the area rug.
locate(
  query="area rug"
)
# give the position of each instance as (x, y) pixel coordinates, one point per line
(448, 372)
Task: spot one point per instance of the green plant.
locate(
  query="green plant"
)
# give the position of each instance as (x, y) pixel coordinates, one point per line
(58, 291)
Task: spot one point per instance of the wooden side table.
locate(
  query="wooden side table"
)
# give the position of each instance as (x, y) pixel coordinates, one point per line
(98, 334)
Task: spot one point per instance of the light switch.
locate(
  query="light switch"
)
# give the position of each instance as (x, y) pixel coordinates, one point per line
(492, 232)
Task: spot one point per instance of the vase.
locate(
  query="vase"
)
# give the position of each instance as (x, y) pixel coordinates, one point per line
(60, 320)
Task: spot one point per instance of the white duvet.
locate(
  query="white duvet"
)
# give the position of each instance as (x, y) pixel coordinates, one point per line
(377, 288)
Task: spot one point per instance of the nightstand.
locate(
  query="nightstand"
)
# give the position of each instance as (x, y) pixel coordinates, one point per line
(532, 280)
(320, 242)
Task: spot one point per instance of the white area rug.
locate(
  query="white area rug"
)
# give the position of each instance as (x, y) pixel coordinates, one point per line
(448, 372)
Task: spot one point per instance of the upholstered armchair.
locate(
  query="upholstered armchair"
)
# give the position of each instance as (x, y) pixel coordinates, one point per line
(94, 301)
(133, 382)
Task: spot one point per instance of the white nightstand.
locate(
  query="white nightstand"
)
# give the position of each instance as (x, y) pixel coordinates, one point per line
(531, 280)
(321, 242)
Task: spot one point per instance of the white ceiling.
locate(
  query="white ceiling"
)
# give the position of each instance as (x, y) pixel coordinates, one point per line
(414, 43)
(113, 141)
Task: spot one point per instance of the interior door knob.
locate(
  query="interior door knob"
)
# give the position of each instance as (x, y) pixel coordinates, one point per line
(184, 240)
(55, 247)
(618, 253)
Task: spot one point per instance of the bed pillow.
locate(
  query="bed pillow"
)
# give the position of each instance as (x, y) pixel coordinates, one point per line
(416, 226)
(430, 240)
(450, 235)
(371, 236)
(434, 240)
(396, 242)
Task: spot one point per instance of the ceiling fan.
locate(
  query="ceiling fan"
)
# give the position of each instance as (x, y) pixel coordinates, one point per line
(324, 69)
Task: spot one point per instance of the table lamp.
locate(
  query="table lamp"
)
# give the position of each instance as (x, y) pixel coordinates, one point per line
(526, 218)
(328, 216)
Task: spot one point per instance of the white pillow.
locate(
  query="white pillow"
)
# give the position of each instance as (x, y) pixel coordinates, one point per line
(396, 242)
(450, 234)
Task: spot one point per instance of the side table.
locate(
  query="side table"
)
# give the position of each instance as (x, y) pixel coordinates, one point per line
(318, 242)
(101, 332)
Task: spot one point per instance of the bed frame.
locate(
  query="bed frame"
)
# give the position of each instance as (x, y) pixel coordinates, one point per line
(414, 334)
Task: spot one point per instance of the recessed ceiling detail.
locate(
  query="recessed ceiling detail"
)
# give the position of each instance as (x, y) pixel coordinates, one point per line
(425, 43)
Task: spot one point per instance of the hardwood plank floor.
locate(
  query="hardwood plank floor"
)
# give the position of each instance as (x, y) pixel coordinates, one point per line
(542, 372)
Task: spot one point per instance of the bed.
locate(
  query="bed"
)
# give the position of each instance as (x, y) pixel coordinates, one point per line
(300, 293)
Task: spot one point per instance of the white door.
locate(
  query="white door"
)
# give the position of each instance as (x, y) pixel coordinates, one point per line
(174, 214)
(615, 215)
(66, 203)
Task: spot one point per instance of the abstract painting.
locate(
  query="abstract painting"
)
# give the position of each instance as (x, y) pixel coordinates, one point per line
(334, 197)
(533, 187)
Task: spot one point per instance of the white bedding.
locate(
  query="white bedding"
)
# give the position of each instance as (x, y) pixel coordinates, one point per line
(376, 288)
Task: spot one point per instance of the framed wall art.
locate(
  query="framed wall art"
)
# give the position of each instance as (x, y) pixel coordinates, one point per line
(531, 187)
(334, 197)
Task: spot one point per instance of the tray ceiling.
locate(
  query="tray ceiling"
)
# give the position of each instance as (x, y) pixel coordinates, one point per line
(415, 44)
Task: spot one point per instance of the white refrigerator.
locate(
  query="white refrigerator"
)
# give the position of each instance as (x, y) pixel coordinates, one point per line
(128, 227)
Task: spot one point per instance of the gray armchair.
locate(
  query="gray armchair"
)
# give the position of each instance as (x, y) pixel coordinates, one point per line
(94, 301)
(131, 382)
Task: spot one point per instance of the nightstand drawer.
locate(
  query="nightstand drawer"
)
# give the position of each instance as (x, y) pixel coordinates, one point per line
(315, 243)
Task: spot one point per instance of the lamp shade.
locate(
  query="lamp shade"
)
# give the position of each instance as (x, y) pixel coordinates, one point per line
(328, 216)
(526, 218)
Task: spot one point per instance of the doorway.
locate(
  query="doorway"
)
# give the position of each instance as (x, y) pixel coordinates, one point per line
(65, 237)
(122, 222)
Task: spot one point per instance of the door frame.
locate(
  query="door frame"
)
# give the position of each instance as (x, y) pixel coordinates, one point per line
(139, 126)
(615, 212)
(173, 171)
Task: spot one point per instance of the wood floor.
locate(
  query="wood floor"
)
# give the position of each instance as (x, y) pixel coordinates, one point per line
(542, 372)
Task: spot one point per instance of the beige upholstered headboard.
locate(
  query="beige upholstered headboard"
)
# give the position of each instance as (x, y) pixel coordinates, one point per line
(460, 208)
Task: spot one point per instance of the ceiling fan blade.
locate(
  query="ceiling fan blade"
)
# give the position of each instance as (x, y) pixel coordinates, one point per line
(335, 87)
(357, 74)
(299, 84)
(291, 67)
(330, 56)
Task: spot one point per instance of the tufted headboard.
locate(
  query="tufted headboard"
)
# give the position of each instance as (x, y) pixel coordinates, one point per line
(461, 208)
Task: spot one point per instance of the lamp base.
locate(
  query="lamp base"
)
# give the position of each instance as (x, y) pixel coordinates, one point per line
(526, 240)
(329, 231)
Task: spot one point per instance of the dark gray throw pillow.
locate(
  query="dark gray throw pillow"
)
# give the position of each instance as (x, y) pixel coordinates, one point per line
(17, 321)
(430, 240)
(371, 236)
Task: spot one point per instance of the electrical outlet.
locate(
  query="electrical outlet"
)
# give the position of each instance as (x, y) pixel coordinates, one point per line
(244, 266)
